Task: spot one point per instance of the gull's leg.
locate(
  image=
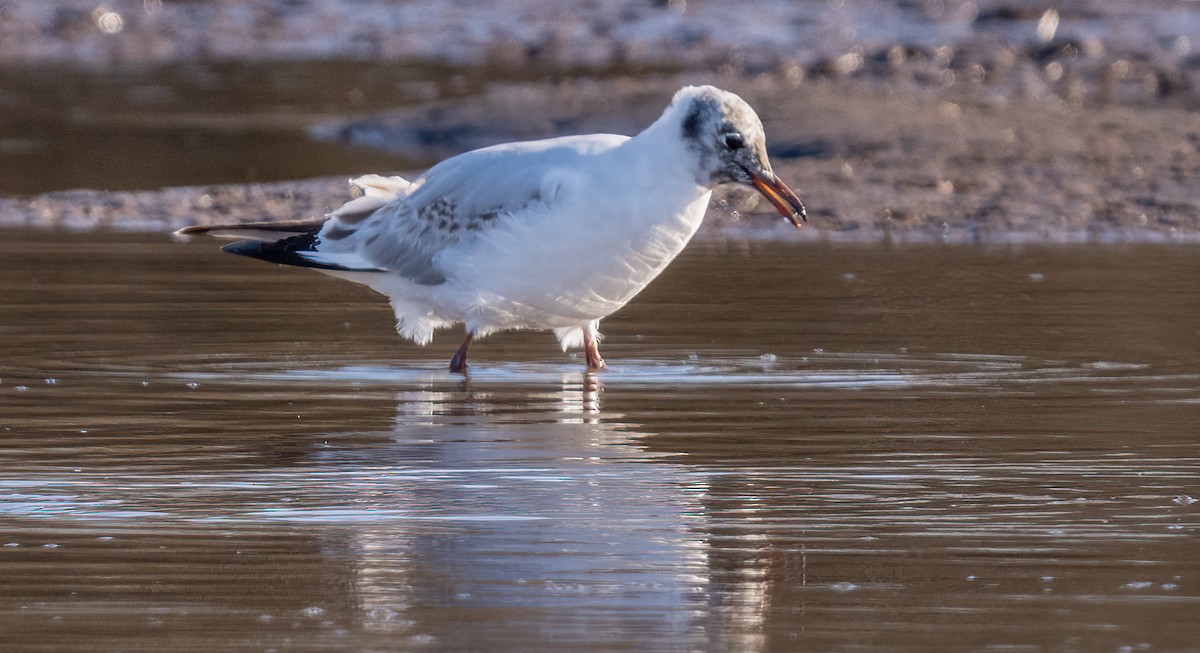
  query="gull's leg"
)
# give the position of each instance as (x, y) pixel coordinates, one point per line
(459, 362)
(591, 349)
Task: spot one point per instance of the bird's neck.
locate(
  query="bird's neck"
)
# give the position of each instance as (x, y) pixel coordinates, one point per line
(660, 205)
(658, 157)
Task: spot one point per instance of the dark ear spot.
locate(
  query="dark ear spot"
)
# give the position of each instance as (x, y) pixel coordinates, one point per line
(701, 111)
(691, 122)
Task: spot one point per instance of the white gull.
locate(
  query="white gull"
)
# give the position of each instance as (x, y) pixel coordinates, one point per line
(552, 234)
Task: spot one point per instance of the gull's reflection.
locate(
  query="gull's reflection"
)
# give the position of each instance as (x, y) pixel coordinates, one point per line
(539, 506)
(467, 515)
(580, 399)
(537, 503)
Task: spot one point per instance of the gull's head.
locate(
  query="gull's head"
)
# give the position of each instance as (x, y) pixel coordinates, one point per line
(729, 145)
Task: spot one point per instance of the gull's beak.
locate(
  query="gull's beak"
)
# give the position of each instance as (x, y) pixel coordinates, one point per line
(782, 197)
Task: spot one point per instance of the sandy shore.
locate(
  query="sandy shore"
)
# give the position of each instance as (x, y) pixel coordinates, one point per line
(955, 120)
(872, 165)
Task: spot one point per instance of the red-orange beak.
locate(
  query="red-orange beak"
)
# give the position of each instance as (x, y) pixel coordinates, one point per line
(778, 194)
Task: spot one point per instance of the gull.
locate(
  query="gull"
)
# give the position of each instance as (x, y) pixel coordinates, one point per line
(553, 234)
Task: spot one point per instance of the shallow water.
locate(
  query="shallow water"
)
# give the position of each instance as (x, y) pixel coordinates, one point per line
(799, 448)
(142, 127)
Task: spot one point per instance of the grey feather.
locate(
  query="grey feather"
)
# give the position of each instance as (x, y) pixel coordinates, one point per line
(453, 203)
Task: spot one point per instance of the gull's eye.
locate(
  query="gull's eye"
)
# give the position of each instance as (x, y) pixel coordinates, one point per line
(733, 141)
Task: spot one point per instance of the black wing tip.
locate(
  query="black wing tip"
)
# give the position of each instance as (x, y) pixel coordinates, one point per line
(252, 248)
(288, 251)
(284, 252)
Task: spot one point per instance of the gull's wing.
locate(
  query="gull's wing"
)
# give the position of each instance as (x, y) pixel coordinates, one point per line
(401, 230)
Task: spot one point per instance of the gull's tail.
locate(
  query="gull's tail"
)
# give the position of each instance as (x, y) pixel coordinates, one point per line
(295, 242)
(276, 242)
(267, 232)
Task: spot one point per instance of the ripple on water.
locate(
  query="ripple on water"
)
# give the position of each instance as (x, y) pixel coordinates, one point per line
(831, 370)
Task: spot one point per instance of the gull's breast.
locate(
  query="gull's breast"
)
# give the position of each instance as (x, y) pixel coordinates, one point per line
(580, 264)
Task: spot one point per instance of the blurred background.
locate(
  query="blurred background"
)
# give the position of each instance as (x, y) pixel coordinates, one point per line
(905, 113)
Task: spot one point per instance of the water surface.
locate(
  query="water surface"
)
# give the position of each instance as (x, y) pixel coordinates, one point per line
(146, 127)
(799, 448)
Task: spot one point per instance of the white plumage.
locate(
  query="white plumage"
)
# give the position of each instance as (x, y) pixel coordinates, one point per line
(552, 234)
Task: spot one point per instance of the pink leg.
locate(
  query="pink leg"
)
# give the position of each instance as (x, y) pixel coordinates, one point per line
(591, 350)
(458, 363)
